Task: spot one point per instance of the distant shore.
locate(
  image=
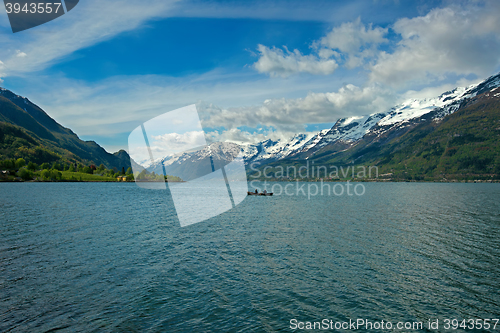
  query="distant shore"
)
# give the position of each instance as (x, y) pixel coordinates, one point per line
(15, 180)
(490, 181)
(74, 177)
(382, 180)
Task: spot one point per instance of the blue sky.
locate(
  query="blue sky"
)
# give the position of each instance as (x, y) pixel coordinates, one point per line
(256, 70)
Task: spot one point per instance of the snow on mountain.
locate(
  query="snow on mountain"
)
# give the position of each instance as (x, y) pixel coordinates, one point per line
(346, 130)
(266, 150)
(273, 150)
(146, 163)
(218, 151)
(471, 91)
(352, 129)
(192, 164)
(415, 108)
(313, 141)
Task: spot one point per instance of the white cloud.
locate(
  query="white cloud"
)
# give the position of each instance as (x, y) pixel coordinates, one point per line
(450, 40)
(278, 63)
(282, 117)
(119, 104)
(434, 91)
(237, 135)
(351, 43)
(444, 45)
(90, 22)
(291, 114)
(172, 143)
(453, 40)
(2, 68)
(94, 21)
(350, 37)
(355, 41)
(112, 108)
(241, 137)
(328, 53)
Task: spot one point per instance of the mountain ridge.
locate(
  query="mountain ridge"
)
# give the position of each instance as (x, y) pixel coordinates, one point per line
(27, 131)
(349, 130)
(358, 136)
(428, 147)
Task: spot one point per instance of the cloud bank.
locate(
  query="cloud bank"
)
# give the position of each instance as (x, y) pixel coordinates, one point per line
(451, 42)
(278, 63)
(172, 143)
(442, 47)
(291, 114)
(354, 41)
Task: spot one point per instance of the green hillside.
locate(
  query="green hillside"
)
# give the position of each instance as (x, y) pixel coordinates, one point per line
(462, 146)
(27, 132)
(465, 145)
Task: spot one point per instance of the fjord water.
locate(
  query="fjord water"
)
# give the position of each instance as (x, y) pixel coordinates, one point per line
(112, 257)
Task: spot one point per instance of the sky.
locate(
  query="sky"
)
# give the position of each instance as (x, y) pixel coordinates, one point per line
(255, 70)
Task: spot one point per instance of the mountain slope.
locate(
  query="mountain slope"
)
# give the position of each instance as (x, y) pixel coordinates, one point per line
(271, 150)
(27, 131)
(465, 144)
(348, 132)
(462, 144)
(195, 164)
(412, 140)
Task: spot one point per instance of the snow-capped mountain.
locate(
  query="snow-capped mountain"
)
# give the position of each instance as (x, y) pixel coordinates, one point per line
(352, 129)
(346, 132)
(191, 165)
(268, 150)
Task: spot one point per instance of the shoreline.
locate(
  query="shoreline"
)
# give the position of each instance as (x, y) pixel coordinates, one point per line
(489, 181)
(476, 181)
(76, 181)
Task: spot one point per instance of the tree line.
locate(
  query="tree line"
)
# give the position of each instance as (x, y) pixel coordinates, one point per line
(53, 172)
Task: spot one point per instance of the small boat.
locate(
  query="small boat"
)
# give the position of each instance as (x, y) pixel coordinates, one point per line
(264, 194)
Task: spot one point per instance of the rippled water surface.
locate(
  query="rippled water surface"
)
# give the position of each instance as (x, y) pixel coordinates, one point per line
(112, 257)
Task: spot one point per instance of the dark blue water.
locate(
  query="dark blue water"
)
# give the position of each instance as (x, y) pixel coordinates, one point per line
(95, 257)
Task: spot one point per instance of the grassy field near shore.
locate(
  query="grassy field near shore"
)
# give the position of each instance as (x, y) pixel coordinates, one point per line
(80, 176)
